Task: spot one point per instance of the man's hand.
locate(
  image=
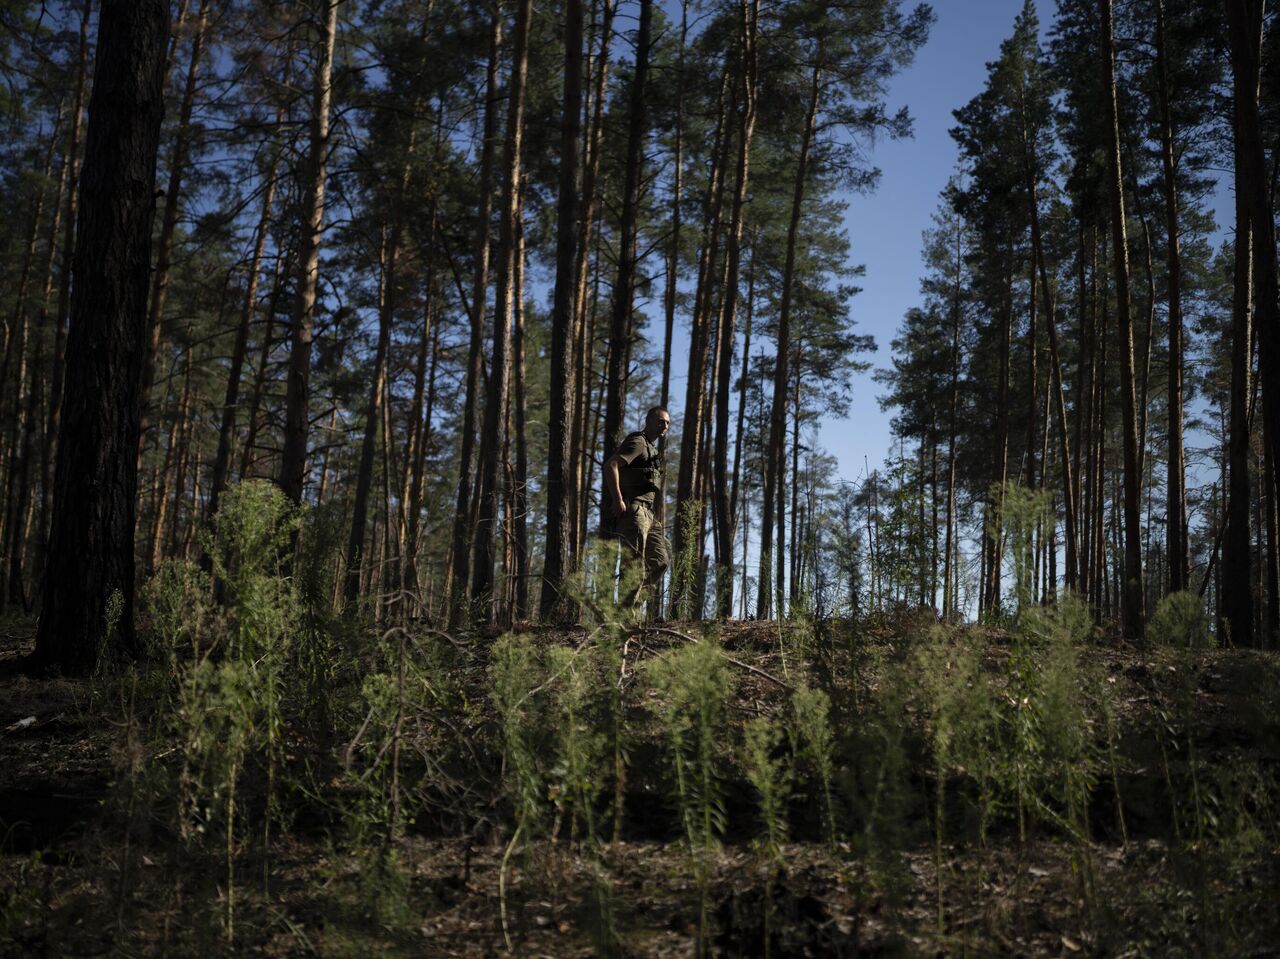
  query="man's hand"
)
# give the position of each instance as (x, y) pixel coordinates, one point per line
(620, 507)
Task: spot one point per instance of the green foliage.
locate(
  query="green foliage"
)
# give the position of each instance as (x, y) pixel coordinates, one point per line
(693, 684)
(686, 601)
(1023, 516)
(769, 772)
(814, 744)
(517, 678)
(1180, 620)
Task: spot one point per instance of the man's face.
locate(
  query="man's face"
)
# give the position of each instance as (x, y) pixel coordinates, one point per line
(658, 423)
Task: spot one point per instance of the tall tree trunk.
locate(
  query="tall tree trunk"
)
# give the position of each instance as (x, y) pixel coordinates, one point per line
(564, 309)
(61, 320)
(170, 467)
(620, 329)
(742, 396)
(673, 245)
(689, 477)
(183, 449)
(949, 598)
(89, 575)
(253, 422)
(18, 464)
(1236, 609)
(774, 457)
(992, 532)
(231, 399)
(1179, 571)
(1245, 20)
(1133, 613)
(584, 324)
(293, 459)
(169, 219)
(720, 484)
(373, 412)
(422, 446)
(482, 566)
(460, 553)
(1058, 393)
(518, 501)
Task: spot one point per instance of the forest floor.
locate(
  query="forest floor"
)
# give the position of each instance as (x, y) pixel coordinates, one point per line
(1175, 855)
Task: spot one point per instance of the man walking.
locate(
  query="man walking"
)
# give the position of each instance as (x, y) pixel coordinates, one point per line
(632, 485)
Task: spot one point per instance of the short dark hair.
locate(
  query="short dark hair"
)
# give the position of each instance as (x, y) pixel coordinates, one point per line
(655, 409)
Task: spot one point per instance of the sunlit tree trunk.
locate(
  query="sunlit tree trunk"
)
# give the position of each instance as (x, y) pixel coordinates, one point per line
(293, 460)
(490, 448)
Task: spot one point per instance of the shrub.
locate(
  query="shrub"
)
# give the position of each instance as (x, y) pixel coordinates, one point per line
(1180, 620)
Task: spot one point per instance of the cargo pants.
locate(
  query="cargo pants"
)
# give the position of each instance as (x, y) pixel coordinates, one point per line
(642, 535)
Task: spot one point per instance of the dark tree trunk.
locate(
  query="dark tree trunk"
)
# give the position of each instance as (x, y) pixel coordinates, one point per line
(1245, 19)
(374, 411)
(459, 571)
(62, 318)
(1236, 608)
(231, 399)
(720, 480)
(169, 219)
(1133, 613)
(518, 498)
(490, 449)
(89, 575)
(620, 329)
(774, 456)
(563, 311)
(1179, 573)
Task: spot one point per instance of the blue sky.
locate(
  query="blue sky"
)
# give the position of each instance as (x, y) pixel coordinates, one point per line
(885, 227)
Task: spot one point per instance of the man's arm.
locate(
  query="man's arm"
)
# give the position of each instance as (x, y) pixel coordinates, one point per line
(613, 484)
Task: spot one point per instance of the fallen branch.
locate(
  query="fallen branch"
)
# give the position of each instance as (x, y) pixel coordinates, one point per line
(736, 662)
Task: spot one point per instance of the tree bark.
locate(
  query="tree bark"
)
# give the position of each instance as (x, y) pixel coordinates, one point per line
(293, 460)
(1236, 609)
(89, 576)
(564, 309)
(374, 412)
(620, 329)
(482, 566)
(459, 571)
(1179, 572)
(61, 320)
(774, 457)
(720, 483)
(231, 399)
(1245, 20)
(169, 220)
(1134, 615)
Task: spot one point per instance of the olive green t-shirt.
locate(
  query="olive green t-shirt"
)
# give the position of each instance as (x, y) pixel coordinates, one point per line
(641, 472)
